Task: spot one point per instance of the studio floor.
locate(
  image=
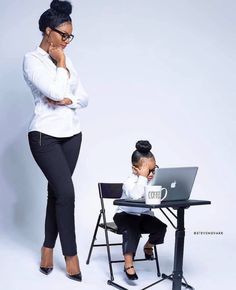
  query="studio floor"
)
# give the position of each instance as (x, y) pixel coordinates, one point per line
(204, 267)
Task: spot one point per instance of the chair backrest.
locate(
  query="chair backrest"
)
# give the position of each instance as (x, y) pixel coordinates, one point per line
(110, 190)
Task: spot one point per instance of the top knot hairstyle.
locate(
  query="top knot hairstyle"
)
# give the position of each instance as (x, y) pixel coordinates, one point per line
(58, 13)
(143, 149)
(63, 7)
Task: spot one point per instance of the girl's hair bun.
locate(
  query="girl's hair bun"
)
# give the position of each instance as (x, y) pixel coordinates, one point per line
(61, 7)
(143, 146)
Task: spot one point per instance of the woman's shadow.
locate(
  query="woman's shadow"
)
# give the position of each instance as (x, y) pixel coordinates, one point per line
(23, 187)
(23, 205)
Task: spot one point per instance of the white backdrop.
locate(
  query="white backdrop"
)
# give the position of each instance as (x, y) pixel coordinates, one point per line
(157, 70)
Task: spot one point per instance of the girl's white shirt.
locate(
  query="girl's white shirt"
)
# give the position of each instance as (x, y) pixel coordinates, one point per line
(134, 188)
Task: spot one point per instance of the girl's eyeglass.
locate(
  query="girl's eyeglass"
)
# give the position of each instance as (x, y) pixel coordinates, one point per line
(153, 170)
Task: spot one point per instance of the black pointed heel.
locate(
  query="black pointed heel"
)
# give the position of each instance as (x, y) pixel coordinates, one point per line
(130, 276)
(147, 256)
(45, 270)
(75, 277)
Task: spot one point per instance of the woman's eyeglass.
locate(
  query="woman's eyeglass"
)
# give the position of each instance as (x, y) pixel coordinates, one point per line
(64, 36)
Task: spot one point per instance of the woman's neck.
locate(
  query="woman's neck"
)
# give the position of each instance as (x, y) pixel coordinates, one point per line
(44, 45)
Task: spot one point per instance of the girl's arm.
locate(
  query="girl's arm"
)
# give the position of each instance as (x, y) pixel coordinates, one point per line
(134, 188)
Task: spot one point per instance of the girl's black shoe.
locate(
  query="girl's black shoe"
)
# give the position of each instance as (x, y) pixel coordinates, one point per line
(45, 271)
(147, 256)
(130, 276)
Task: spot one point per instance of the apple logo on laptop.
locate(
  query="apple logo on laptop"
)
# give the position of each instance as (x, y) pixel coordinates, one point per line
(173, 184)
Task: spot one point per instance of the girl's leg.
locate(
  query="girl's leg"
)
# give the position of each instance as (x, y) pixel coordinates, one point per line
(128, 225)
(155, 228)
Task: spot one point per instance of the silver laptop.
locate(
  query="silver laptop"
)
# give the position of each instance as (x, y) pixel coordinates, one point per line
(178, 181)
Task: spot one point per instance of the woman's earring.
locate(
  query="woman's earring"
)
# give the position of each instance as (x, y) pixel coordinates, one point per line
(47, 32)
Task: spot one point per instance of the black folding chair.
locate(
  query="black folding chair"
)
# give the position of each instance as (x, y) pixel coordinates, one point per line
(111, 191)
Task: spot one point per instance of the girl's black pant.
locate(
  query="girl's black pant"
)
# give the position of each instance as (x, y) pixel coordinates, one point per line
(132, 226)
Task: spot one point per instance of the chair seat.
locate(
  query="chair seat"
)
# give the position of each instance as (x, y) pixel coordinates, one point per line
(111, 226)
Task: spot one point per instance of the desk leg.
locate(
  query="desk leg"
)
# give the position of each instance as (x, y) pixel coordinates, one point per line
(179, 251)
(177, 275)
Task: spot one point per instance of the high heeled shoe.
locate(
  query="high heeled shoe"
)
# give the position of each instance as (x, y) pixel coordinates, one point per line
(148, 256)
(130, 276)
(76, 277)
(42, 269)
(45, 270)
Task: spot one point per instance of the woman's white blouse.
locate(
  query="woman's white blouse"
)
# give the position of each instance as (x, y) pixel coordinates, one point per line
(46, 80)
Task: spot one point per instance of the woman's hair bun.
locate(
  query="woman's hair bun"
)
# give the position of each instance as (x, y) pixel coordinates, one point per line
(61, 7)
(143, 146)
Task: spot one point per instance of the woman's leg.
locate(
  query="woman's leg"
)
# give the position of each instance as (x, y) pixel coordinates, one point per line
(51, 158)
(51, 229)
(71, 149)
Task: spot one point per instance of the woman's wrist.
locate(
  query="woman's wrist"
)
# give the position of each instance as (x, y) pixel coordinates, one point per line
(61, 63)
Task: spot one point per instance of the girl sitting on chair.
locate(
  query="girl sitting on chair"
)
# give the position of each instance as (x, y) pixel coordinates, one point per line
(134, 221)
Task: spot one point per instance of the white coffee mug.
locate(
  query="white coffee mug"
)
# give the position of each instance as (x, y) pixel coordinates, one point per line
(153, 194)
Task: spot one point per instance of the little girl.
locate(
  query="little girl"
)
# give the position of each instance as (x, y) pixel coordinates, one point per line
(134, 221)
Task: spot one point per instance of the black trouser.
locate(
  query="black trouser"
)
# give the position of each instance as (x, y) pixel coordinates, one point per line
(57, 158)
(132, 226)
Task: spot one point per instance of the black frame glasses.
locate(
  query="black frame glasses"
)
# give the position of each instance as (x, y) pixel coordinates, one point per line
(64, 36)
(153, 170)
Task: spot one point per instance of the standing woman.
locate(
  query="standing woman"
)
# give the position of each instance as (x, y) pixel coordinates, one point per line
(54, 132)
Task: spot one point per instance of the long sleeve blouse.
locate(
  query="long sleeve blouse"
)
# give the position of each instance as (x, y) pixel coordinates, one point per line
(46, 80)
